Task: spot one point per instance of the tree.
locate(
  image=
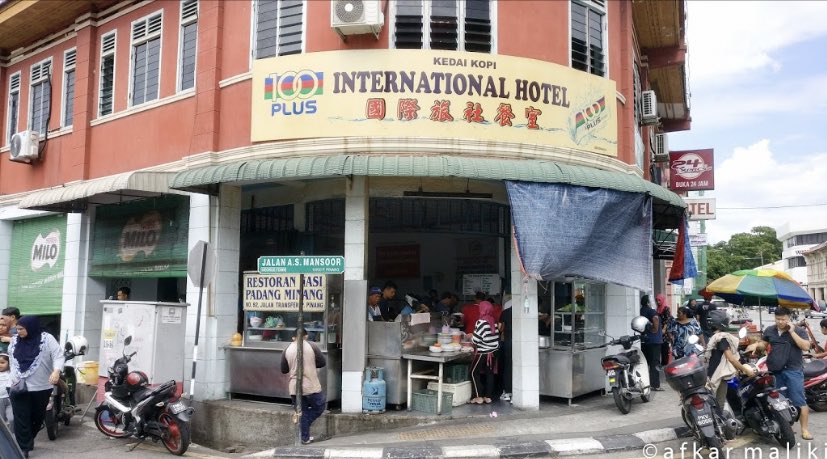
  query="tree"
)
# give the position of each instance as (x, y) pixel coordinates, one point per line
(743, 251)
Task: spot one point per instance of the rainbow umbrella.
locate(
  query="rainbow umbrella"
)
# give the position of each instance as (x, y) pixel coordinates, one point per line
(763, 287)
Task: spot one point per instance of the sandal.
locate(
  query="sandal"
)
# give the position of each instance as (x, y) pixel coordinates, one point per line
(477, 401)
(807, 436)
(487, 400)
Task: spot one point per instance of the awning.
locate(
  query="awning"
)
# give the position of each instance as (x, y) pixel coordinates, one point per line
(76, 197)
(667, 206)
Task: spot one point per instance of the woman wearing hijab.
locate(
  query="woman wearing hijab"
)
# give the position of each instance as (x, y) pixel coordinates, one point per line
(484, 366)
(37, 359)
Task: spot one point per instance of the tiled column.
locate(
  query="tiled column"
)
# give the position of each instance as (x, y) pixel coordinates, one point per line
(75, 267)
(354, 325)
(622, 305)
(219, 310)
(526, 359)
(6, 227)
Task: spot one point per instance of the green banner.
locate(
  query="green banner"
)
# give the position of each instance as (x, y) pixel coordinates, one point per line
(36, 269)
(146, 238)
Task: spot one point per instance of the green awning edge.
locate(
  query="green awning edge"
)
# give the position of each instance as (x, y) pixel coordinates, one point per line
(669, 207)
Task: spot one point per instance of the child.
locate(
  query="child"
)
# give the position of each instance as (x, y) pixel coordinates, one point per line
(4, 331)
(5, 379)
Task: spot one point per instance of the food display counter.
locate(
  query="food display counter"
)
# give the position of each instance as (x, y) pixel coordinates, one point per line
(570, 356)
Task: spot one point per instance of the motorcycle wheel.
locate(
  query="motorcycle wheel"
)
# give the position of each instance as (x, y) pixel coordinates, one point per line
(818, 406)
(785, 435)
(715, 444)
(110, 423)
(645, 397)
(177, 436)
(623, 404)
(51, 424)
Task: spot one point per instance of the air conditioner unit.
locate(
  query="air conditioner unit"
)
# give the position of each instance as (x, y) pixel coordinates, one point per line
(355, 17)
(661, 148)
(649, 108)
(24, 147)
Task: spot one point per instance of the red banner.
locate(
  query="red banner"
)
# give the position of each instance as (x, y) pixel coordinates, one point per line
(692, 170)
(397, 261)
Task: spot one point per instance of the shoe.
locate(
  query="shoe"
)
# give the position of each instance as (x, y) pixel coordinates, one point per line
(487, 400)
(658, 389)
(308, 441)
(807, 436)
(506, 397)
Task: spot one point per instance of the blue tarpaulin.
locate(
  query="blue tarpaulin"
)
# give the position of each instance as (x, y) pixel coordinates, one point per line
(564, 230)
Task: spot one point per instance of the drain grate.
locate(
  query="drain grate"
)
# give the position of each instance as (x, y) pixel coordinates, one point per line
(448, 432)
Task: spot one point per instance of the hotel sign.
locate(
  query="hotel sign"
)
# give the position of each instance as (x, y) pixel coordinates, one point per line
(701, 208)
(422, 93)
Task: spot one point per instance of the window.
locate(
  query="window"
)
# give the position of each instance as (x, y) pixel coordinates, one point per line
(463, 25)
(146, 59)
(40, 97)
(14, 105)
(587, 33)
(69, 58)
(796, 262)
(106, 89)
(279, 28)
(187, 45)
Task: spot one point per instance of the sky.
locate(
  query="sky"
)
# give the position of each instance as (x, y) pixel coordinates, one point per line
(758, 97)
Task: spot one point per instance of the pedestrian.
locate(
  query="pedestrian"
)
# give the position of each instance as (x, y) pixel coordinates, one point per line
(6, 414)
(36, 359)
(9, 317)
(721, 353)
(506, 348)
(703, 311)
(5, 338)
(665, 314)
(484, 364)
(693, 307)
(313, 398)
(681, 329)
(786, 362)
(651, 342)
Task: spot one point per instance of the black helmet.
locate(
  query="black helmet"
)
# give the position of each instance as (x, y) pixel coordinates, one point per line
(717, 319)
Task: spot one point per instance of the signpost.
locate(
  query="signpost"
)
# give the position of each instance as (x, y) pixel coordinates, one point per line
(200, 269)
(300, 265)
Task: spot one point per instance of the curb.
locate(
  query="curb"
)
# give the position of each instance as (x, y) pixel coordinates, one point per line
(500, 449)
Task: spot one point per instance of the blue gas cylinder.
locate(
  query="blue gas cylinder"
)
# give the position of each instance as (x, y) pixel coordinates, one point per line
(374, 390)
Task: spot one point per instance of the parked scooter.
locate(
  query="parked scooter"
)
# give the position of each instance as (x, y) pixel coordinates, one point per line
(710, 425)
(628, 371)
(130, 407)
(61, 405)
(815, 384)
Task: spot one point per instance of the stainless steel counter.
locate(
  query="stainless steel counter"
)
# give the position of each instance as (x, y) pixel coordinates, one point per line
(257, 371)
(569, 374)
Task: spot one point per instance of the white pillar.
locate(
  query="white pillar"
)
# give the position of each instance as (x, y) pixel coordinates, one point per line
(6, 227)
(354, 324)
(75, 268)
(525, 356)
(216, 221)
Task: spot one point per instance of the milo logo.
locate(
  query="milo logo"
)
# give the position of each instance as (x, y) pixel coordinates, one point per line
(140, 235)
(45, 250)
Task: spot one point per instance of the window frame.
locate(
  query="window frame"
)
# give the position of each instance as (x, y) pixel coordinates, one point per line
(604, 9)
(179, 71)
(12, 130)
(32, 84)
(253, 27)
(132, 44)
(426, 25)
(114, 54)
(64, 90)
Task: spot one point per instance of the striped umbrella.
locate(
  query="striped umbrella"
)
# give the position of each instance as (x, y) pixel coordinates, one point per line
(763, 287)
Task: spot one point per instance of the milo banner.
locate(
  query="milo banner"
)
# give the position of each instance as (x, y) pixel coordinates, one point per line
(421, 93)
(36, 270)
(145, 238)
(273, 292)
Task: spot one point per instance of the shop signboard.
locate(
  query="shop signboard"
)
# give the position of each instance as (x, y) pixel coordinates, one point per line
(280, 292)
(436, 94)
(701, 208)
(489, 284)
(691, 170)
(36, 265)
(698, 240)
(301, 265)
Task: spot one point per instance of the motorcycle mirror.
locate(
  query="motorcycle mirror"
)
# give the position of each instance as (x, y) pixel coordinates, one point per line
(742, 333)
(693, 339)
(127, 341)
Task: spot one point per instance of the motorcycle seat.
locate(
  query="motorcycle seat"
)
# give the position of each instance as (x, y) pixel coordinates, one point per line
(622, 359)
(634, 357)
(815, 368)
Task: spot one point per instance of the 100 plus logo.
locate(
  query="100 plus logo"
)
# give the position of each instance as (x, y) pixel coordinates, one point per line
(292, 92)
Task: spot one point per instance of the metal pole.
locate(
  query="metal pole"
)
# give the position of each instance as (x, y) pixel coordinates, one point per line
(299, 361)
(198, 321)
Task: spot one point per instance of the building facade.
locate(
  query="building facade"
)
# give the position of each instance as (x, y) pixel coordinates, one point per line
(798, 238)
(273, 127)
(816, 258)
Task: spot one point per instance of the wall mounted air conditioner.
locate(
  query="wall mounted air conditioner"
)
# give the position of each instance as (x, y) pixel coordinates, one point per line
(356, 17)
(24, 147)
(661, 147)
(649, 108)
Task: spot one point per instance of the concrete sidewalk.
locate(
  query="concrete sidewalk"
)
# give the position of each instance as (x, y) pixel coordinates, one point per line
(591, 425)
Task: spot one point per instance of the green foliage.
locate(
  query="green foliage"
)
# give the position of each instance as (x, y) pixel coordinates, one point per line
(743, 251)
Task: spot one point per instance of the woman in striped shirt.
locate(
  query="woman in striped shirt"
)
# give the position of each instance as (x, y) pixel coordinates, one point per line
(484, 366)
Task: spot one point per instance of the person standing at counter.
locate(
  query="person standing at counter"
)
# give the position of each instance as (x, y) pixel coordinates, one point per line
(313, 398)
(471, 312)
(123, 294)
(374, 311)
(484, 365)
(389, 304)
(651, 342)
(446, 304)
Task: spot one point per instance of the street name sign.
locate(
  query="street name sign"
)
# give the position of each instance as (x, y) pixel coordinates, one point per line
(301, 265)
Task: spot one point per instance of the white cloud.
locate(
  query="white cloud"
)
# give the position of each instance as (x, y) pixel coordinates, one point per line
(729, 39)
(755, 177)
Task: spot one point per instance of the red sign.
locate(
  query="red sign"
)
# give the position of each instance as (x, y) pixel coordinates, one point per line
(692, 170)
(397, 261)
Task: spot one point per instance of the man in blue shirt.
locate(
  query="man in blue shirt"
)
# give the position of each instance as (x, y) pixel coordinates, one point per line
(651, 342)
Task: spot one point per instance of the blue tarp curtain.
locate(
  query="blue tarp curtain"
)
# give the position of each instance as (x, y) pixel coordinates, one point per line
(563, 230)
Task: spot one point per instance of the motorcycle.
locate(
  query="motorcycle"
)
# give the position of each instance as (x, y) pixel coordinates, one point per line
(131, 407)
(709, 424)
(627, 371)
(61, 406)
(815, 384)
